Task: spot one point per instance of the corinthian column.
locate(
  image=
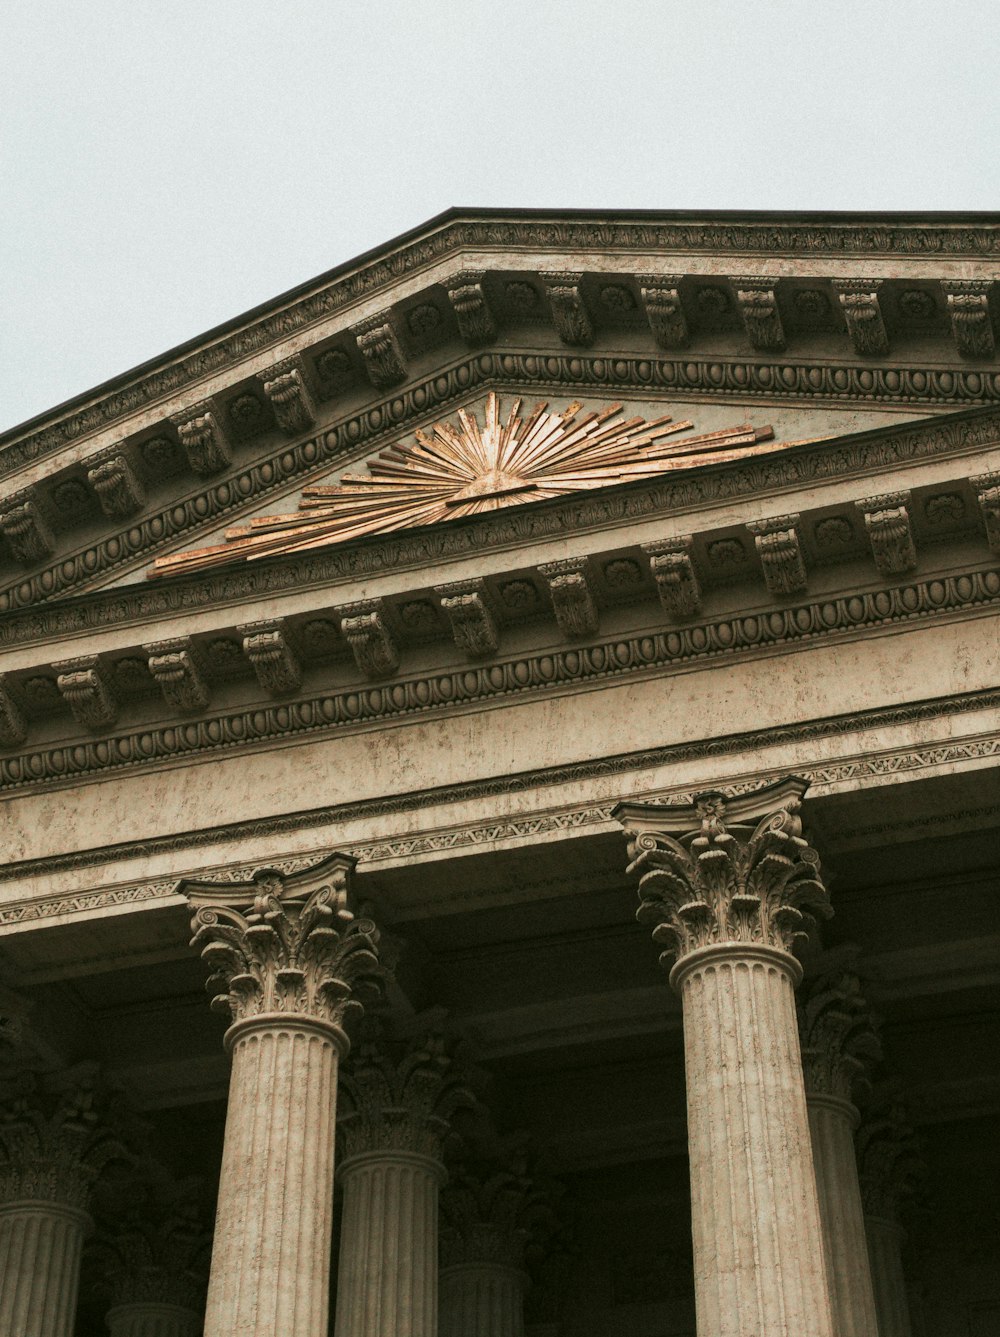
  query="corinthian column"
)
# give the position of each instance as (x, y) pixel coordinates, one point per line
(890, 1167)
(725, 885)
(838, 1043)
(290, 963)
(54, 1141)
(396, 1101)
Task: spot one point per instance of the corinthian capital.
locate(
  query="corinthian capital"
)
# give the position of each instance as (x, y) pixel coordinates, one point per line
(725, 871)
(285, 944)
(839, 1035)
(400, 1094)
(890, 1166)
(497, 1208)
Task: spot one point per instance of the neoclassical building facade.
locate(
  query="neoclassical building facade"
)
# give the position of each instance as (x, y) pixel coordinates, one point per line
(545, 677)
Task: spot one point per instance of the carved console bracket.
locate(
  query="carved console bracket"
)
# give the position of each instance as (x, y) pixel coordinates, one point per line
(860, 305)
(286, 389)
(675, 576)
(84, 687)
(13, 730)
(780, 553)
(114, 480)
(758, 305)
(172, 664)
(661, 299)
(26, 530)
(476, 323)
(572, 600)
(987, 487)
(969, 311)
(378, 345)
(363, 627)
(271, 657)
(568, 310)
(887, 520)
(472, 623)
(205, 443)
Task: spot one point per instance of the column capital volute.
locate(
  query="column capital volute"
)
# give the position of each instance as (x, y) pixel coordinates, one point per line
(401, 1088)
(285, 946)
(839, 1035)
(725, 870)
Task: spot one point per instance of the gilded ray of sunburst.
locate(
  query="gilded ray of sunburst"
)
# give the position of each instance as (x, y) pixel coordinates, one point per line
(461, 469)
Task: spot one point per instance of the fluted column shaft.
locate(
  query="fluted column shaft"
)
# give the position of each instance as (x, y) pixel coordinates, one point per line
(758, 1245)
(153, 1320)
(832, 1121)
(387, 1283)
(482, 1300)
(885, 1241)
(271, 1252)
(41, 1244)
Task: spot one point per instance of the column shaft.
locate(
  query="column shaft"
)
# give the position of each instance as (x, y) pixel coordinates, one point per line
(832, 1122)
(885, 1240)
(41, 1244)
(387, 1283)
(482, 1300)
(271, 1254)
(758, 1247)
(153, 1320)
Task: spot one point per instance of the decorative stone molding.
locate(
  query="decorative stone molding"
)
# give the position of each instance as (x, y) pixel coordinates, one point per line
(528, 673)
(890, 1164)
(859, 301)
(283, 944)
(572, 600)
(27, 531)
(118, 488)
(472, 623)
(172, 664)
(838, 1034)
(780, 553)
(987, 489)
(489, 1211)
(13, 726)
(57, 1134)
(743, 875)
(83, 685)
(675, 576)
(399, 1094)
(568, 308)
(969, 311)
(887, 520)
(758, 304)
(661, 300)
(381, 351)
(271, 657)
(288, 394)
(205, 443)
(476, 322)
(363, 628)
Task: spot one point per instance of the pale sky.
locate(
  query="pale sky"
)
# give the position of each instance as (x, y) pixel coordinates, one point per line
(167, 164)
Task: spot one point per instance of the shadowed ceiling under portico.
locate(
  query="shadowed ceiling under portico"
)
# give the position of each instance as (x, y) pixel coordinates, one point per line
(466, 468)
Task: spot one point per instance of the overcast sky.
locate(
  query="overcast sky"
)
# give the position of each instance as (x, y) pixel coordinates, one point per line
(167, 164)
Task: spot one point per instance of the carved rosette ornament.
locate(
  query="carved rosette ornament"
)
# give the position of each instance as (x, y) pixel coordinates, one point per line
(729, 886)
(287, 967)
(397, 1097)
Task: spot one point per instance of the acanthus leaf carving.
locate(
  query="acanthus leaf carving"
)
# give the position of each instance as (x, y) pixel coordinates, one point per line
(13, 726)
(116, 484)
(987, 489)
(676, 579)
(26, 529)
(472, 624)
(286, 944)
(839, 1035)
(381, 351)
(287, 390)
(475, 319)
(572, 599)
(569, 310)
(969, 311)
(887, 520)
(363, 627)
(84, 687)
(859, 302)
(498, 1206)
(661, 299)
(777, 543)
(205, 443)
(181, 681)
(890, 1165)
(271, 657)
(745, 875)
(758, 304)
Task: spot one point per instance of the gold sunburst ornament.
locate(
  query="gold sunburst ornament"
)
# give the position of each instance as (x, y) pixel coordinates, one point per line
(457, 470)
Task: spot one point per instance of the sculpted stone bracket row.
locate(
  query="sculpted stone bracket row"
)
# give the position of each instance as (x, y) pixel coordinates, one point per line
(376, 633)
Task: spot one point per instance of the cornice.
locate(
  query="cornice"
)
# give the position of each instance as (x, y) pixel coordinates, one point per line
(881, 239)
(846, 770)
(474, 685)
(801, 465)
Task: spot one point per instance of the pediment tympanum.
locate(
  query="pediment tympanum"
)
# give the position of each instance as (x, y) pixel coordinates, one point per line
(473, 464)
